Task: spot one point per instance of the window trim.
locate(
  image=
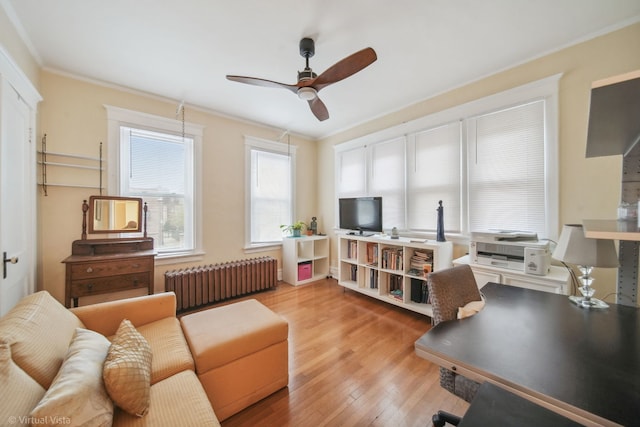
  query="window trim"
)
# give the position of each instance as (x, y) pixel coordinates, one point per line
(117, 117)
(250, 143)
(546, 88)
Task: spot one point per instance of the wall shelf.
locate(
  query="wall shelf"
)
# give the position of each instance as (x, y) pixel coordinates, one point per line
(611, 229)
(628, 236)
(65, 161)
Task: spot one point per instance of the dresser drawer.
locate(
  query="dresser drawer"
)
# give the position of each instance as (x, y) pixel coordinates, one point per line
(84, 287)
(108, 268)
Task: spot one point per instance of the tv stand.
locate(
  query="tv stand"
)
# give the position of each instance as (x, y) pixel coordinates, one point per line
(382, 268)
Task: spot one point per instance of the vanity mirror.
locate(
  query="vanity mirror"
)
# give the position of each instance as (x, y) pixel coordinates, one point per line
(112, 214)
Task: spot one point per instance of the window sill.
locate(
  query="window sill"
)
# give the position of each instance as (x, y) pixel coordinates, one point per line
(251, 249)
(179, 257)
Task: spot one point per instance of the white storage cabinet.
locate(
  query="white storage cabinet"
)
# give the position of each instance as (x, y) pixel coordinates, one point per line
(381, 268)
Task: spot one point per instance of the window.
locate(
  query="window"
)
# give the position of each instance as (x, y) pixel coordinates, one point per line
(351, 172)
(387, 180)
(157, 162)
(506, 169)
(270, 169)
(493, 163)
(434, 174)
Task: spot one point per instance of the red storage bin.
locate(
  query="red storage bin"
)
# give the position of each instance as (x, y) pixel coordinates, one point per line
(304, 270)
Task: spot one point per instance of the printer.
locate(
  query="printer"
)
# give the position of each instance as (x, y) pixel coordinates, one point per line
(513, 250)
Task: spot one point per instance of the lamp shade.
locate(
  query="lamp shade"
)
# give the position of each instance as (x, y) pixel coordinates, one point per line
(575, 248)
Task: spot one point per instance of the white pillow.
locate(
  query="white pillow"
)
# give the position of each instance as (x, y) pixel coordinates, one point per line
(470, 309)
(19, 393)
(77, 396)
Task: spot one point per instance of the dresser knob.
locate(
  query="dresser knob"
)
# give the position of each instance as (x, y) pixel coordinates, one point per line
(136, 265)
(89, 270)
(90, 287)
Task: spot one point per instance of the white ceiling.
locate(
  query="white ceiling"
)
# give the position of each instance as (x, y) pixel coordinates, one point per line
(182, 49)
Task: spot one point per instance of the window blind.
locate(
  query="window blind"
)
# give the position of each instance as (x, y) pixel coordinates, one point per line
(351, 173)
(434, 174)
(506, 169)
(271, 198)
(158, 167)
(387, 180)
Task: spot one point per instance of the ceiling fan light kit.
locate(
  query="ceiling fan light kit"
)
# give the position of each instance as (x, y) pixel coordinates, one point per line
(307, 93)
(309, 83)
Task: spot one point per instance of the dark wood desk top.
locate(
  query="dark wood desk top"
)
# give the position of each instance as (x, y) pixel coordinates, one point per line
(582, 361)
(494, 406)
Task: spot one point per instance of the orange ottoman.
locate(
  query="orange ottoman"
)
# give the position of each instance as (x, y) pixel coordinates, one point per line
(241, 354)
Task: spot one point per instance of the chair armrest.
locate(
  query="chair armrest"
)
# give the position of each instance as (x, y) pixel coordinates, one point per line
(106, 317)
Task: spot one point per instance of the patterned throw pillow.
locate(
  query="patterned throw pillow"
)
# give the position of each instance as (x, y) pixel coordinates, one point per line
(127, 370)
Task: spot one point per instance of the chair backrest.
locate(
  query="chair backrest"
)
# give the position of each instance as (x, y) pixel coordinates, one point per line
(449, 289)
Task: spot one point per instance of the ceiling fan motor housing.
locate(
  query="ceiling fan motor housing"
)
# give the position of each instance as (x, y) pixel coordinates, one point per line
(307, 47)
(306, 74)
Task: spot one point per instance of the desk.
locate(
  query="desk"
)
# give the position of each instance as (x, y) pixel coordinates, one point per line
(583, 364)
(494, 406)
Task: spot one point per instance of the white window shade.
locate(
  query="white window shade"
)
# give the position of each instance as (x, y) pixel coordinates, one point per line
(507, 170)
(387, 180)
(351, 173)
(271, 198)
(434, 174)
(269, 190)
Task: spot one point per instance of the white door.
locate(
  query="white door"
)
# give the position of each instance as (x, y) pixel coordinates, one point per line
(17, 189)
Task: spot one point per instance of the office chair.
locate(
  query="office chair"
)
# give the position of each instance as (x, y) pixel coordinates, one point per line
(442, 418)
(450, 289)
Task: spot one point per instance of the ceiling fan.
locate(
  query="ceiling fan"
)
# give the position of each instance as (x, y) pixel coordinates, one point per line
(309, 83)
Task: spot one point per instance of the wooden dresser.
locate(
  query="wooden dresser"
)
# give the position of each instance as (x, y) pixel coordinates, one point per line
(100, 266)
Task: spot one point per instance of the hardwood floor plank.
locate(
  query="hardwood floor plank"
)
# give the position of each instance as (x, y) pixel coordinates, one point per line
(351, 363)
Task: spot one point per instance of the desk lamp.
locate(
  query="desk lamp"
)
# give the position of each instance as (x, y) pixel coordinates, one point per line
(575, 248)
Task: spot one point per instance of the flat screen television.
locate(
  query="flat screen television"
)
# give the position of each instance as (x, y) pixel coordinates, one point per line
(361, 214)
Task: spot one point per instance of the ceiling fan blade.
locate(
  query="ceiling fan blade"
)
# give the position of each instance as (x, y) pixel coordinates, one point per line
(319, 109)
(262, 82)
(345, 68)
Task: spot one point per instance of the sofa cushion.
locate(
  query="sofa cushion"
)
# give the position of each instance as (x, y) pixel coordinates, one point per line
(19, 393)
(169, 348)
(39, 330)
(127, 370)
(178, 400)
(77, 396)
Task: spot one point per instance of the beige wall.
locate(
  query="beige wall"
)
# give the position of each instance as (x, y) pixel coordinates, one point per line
(75, 121)
(589, 188)
(73, 116)
(12, 43)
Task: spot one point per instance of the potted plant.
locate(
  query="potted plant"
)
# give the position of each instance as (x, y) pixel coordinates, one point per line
(295, 228)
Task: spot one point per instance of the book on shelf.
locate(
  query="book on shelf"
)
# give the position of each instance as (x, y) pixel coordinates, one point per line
(396, 294)
(421, 263)
(394, 282)
(354, 273)
(372, 253)
(419, 291)
(352, 249)
(392, 258)
(373, 279)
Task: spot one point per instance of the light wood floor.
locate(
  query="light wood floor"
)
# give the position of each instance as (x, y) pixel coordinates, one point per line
(351, 363)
